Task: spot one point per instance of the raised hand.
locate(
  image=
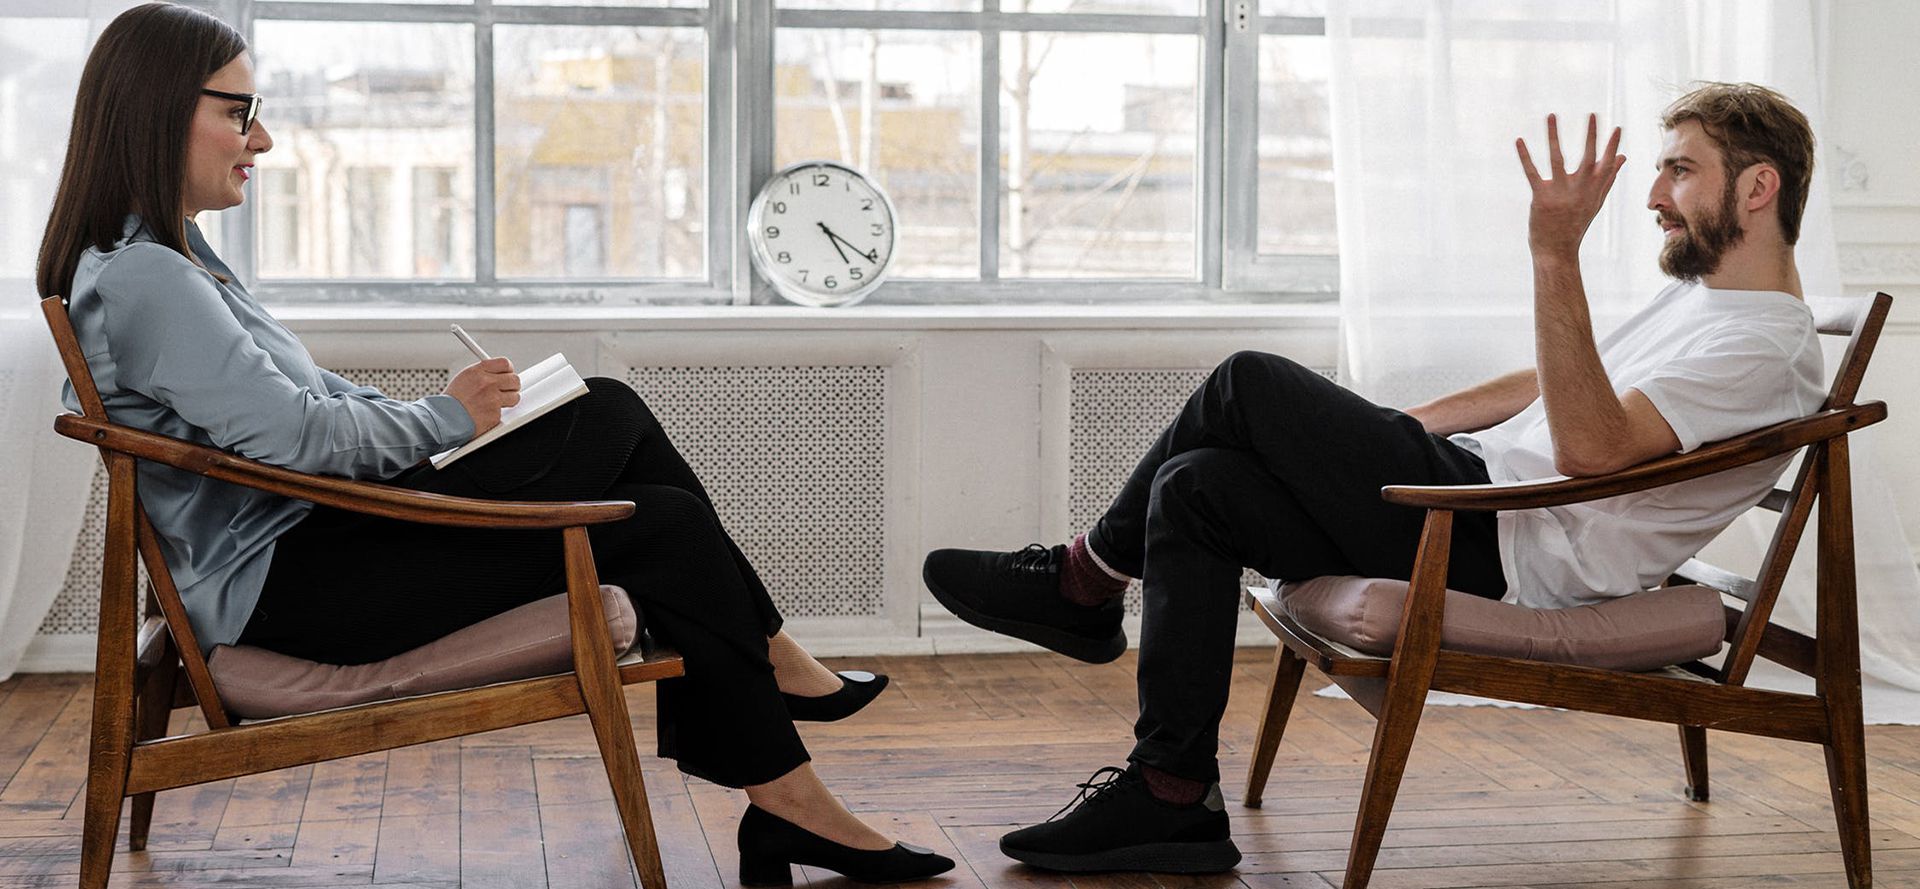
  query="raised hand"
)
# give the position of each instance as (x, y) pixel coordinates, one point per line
(1565, 202)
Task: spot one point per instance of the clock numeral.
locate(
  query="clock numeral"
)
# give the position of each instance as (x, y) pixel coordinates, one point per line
(773, 231)
(876, 228)
(821, 179)
(784, 257)
(803, 276)
(854, 273)
(793, 187)
(830, 282)
(866, 203)
(779, 206)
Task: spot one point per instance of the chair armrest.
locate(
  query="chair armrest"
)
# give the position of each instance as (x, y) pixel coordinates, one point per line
(356, 496)
(1761, 444)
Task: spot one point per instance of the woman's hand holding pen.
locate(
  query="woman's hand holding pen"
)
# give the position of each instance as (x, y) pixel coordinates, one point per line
(484, 388)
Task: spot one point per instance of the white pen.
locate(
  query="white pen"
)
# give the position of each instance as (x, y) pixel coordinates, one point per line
(469, 343)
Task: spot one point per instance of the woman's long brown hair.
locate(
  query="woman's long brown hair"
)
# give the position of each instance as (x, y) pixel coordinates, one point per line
(127, 150)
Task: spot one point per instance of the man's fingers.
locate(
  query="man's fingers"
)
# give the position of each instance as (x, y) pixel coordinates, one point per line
(1613, 143)
(1554, 157)
(1588, 156)
(1526, 161)
(1613, 171)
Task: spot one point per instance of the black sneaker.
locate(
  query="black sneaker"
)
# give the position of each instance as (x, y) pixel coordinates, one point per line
(1118, 825)
(1018, 594)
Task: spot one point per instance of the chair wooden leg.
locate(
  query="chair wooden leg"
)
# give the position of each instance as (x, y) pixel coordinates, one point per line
(1287, 670)
(111, 750)
(1847, 772)
(606, 704)
(1416, 651)
(1693, 751)
(150, 721)
(1837, 636)
(1392, 741)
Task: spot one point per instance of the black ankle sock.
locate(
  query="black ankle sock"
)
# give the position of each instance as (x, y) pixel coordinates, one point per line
(1170, 788)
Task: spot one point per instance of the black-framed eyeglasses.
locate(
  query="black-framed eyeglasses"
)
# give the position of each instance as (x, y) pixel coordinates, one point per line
(253, 106)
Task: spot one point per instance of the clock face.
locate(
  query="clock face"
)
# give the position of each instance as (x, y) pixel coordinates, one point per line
(822, 234)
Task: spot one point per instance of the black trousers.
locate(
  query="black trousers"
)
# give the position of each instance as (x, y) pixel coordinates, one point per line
(346, 588)
(1273, 467)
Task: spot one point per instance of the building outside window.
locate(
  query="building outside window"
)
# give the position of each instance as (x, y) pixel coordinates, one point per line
(369, 200)
(1035, 149)
(435, 222)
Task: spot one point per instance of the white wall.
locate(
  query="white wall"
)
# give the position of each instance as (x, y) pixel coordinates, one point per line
(1873, 132)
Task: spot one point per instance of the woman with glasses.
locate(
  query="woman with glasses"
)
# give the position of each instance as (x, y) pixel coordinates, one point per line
(166, 126)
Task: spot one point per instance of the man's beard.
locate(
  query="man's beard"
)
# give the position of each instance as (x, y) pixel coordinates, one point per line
(1697, 250)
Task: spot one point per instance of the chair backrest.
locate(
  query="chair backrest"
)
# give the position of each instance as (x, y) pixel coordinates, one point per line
(1860, 320)
(136, 531)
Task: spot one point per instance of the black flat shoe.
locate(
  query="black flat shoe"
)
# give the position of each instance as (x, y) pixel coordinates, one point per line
(858, 688)
(771, 845)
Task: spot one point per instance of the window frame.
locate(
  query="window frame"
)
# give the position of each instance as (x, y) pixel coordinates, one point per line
(740, 40)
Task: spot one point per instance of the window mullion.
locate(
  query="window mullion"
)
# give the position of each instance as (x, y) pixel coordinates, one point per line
(1211, 150)
(989, 142)
(240, 231)
(755, 119)
(484, 269)
(1240, 130)
(723, 126)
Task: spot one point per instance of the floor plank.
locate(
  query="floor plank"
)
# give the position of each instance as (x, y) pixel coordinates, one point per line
(962, 749)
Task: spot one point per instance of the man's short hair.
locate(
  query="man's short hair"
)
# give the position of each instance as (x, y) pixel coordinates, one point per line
(1753, 124)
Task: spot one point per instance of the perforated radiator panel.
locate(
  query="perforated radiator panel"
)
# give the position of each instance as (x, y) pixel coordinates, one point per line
(1113, 416)
(76, 611)
(795, 458)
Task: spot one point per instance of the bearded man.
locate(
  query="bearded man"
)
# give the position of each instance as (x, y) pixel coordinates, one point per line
(1271, 466)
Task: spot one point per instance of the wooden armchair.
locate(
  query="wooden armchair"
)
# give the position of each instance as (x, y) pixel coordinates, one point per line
(147, 666)
(1693, 695)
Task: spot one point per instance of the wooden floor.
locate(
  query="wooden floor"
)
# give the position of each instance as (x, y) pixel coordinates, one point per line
(960, 749)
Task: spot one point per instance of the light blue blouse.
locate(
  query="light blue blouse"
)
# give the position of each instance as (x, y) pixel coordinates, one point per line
(176, 351)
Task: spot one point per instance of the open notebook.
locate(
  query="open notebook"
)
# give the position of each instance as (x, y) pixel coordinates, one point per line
(543, 387)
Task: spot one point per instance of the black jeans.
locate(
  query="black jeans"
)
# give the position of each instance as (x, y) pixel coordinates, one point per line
(1273, 467)
(345, 588)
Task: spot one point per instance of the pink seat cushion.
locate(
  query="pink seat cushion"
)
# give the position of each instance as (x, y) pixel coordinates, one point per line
(531, 640)
(1644, 631)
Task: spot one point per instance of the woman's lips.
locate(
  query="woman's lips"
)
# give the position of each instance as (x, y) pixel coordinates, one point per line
(242, 170)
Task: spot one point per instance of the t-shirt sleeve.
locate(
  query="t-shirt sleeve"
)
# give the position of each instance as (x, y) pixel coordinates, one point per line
(1734, 382)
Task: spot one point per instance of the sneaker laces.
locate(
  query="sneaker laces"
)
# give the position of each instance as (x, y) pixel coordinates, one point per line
(1035, 559)
(1095, 787)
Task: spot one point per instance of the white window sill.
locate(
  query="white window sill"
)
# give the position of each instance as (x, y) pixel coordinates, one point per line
(654, 318)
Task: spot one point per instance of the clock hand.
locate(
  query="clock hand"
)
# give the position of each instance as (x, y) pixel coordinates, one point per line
(834, 240)
(872, 256)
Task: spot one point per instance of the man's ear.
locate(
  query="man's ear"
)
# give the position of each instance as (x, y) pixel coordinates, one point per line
(1759, 186)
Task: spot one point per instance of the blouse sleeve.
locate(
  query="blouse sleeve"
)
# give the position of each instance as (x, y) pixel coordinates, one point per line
(175, 341)
(339, 385)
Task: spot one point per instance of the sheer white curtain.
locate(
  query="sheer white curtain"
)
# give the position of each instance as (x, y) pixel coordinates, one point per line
(43, 478)
(1436, 286)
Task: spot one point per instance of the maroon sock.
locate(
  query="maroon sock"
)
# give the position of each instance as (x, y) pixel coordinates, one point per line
(1082, 581)
(1170, 788)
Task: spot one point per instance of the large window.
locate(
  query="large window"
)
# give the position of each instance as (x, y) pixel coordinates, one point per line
(598, 152)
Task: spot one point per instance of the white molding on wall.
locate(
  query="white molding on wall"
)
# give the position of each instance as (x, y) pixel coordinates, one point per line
(1880, 264)
(58, 654)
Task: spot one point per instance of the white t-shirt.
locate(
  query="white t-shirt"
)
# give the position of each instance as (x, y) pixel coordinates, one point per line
(1715, 363)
